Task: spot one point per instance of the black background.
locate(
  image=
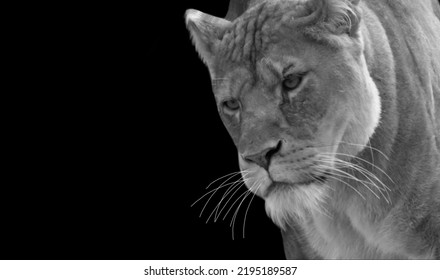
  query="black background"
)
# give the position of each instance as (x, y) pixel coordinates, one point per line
(112, 137)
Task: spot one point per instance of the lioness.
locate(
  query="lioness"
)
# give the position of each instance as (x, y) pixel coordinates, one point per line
(334, 106)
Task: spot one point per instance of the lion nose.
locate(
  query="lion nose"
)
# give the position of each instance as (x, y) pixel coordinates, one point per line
(263, 157)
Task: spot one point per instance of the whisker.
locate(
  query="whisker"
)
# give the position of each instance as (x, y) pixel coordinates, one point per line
(367, 146)
(221, 186)
(325, 168)
(363, 160)
(230, 208)
(371, 152)
(350, 176)
(247, 210)
(247, 193)
(367, 174)
(217, 213)
(227, 202)
(212, 195)
(231, 175)
(211, 191)
(232, 205)
(234, 217)
(358, 145)
(239, 183)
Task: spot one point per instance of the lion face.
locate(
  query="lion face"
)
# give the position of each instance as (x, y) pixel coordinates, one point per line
(289, 102)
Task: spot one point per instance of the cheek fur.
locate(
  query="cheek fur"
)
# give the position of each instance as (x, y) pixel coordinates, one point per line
(232, 124)
(304, 112)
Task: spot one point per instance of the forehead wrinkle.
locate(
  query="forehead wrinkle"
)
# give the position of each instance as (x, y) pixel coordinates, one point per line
(250, 33)
(269, 71)
(258, 28)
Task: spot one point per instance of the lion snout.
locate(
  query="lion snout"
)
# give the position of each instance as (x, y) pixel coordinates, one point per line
(263, 157)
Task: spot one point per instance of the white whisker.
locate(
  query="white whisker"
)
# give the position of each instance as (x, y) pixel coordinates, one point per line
(255, 192)
(367, 174)
(212, 195)
(231, 175)
(350, 176)
(239, 183)
(366, 146)
(325, 168)
(363, 160)
(232, 205)
(234, 217)
(222, 185)
(237, 188)
(211, 191)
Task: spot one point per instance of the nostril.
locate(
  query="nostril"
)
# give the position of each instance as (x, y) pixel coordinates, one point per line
(273, 151)
(259, 159)
(263, 158)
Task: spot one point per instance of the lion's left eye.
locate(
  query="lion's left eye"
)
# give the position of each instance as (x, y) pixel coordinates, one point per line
(291, 82)
(232, 104)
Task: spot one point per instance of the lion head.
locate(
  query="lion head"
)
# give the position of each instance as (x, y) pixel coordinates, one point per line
(293, 90)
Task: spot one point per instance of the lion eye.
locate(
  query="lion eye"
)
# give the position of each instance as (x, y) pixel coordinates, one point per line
(232, 104)
(291, 82)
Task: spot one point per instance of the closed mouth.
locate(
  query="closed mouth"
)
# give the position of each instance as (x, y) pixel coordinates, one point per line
(315, 180)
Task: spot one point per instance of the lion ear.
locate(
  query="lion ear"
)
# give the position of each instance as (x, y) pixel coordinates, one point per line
(206, 32)
(335, 16)
(342, 16)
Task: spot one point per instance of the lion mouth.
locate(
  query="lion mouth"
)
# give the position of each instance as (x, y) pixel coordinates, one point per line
(286, 186)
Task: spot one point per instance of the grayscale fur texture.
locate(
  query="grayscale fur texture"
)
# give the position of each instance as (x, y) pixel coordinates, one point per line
(354, 165)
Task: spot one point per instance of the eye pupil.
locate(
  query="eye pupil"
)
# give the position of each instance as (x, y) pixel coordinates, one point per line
(291, 82)
(232, 104)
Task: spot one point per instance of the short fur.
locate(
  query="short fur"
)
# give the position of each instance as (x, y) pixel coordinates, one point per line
(348, 162)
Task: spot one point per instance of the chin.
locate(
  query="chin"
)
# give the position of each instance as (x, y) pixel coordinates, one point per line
(286, 202)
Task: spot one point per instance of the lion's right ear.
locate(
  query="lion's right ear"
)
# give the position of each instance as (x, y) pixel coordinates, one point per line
(206, 32)
(335, 16)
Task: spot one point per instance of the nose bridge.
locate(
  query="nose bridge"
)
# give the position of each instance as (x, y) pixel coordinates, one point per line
(260, 104)
(260, 127)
